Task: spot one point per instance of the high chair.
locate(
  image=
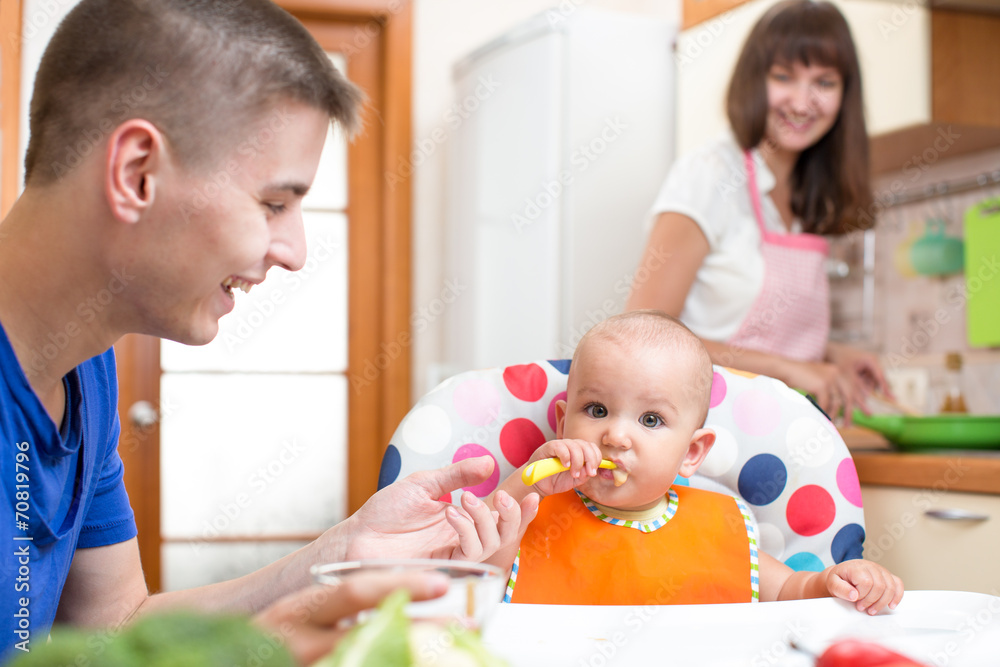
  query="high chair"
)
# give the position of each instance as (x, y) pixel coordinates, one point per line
(774, 449)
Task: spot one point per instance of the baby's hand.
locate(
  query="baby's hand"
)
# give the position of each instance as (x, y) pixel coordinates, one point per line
(580, 456)
(869, 585)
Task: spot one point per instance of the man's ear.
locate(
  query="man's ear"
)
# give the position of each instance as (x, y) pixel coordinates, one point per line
(701, 444)
(135, 153)
(560, 418)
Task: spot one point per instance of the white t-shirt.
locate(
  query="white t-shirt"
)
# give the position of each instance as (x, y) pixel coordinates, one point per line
(710, 187)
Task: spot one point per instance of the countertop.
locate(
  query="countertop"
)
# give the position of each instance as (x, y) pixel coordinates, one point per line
(880, 463)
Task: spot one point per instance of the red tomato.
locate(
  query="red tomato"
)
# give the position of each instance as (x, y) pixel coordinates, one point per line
(853, 653)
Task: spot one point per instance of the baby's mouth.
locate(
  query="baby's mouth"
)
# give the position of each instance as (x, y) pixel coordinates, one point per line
(617, 475)
(234, 281)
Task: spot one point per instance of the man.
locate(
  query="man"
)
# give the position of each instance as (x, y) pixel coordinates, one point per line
(172, 193)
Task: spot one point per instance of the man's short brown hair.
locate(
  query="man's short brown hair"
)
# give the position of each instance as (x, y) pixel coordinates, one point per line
(200, 70)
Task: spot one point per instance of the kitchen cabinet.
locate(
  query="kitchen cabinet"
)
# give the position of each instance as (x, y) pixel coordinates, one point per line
(925, 71)
(934, 538)
(964, 111)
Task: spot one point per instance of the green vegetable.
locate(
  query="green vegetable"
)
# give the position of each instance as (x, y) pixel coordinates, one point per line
(175, 639)
(389, 639)
(378, 642)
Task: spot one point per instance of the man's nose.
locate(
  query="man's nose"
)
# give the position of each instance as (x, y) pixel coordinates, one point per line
(288, 241)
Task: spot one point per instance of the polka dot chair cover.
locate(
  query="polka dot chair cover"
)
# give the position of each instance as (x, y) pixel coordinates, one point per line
(773, 448)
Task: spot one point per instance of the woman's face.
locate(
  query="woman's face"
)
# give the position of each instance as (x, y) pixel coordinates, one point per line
(803, 104)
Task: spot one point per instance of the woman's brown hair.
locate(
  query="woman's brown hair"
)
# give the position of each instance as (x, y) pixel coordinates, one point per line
(831, 192)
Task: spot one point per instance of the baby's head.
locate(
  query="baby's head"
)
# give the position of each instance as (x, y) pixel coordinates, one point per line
(639, 388)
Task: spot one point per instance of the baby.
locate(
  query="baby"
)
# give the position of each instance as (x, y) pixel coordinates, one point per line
(638, 394)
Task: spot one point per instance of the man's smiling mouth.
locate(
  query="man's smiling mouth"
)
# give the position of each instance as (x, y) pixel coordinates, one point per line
(234, 281)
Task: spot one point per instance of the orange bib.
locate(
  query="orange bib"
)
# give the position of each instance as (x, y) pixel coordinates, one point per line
(705, 553)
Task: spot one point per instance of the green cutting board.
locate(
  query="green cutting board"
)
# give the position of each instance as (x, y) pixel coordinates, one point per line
(982, 273)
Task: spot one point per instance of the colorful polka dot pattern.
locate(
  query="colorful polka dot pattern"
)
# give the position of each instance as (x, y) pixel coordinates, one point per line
(774, 449)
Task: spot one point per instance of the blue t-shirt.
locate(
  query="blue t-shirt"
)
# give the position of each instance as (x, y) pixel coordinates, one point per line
(63, 489)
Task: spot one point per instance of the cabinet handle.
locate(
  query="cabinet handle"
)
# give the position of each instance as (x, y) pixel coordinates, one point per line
(957, 515)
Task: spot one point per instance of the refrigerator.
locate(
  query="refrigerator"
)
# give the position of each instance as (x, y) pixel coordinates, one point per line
(562, 135)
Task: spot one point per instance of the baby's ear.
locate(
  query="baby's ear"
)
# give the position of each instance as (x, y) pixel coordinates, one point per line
(560, 418)
(699, 447)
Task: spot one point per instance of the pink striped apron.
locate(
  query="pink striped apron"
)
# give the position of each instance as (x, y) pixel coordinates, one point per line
(791, 315)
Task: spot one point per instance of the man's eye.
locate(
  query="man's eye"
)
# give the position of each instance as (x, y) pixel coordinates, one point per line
(597, 411)
(650, 420)
(276, 208)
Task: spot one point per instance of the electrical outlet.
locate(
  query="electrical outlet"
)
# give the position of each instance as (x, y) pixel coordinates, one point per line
(909, 386)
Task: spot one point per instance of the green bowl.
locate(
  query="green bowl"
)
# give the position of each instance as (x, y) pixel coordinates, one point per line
(935, 432)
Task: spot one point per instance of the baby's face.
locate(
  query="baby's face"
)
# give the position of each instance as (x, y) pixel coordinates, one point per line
(637, 404)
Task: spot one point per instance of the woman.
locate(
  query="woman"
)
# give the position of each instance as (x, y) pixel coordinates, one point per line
(744, 219)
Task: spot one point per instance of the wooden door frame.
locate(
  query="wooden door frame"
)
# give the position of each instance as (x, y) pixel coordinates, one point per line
(138, 361)
(10, 102)
(379, 367)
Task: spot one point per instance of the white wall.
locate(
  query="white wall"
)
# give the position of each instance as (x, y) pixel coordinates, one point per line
(40, 19)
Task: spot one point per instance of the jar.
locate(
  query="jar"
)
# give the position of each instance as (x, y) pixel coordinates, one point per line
(954, 400)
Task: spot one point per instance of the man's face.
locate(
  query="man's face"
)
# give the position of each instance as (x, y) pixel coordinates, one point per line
(220, 229)
(636, 403)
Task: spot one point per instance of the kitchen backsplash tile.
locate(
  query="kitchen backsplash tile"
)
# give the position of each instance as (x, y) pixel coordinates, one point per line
(914, 320)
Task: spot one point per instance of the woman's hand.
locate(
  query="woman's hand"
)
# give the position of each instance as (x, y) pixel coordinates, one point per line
(830, 386)
(862, 367)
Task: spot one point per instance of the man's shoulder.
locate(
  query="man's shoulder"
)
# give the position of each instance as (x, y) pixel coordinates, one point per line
(103, 365)
(99, 379)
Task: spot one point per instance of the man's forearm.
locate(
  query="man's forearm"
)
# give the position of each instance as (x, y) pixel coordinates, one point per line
(255, 591)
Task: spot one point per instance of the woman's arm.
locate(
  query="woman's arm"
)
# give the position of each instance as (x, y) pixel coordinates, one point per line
(674, 252)
(831, 387)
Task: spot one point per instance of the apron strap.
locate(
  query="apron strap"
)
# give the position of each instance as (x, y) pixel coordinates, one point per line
(755, 193)
(803, 241)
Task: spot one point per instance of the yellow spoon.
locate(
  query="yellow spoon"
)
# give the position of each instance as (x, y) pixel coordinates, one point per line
(548, 467)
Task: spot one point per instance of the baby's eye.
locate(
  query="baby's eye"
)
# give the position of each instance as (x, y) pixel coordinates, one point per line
(597, 411)
(650, 420)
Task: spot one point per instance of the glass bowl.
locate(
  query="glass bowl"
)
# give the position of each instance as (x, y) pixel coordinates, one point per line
(475, 592)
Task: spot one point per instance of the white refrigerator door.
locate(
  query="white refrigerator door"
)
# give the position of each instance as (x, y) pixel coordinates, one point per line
(562, 136)
(504, 234)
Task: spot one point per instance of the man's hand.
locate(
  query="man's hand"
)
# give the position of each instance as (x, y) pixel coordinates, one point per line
(307, 621)
(406, 519)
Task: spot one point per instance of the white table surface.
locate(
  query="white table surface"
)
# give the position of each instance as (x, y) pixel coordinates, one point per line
(957, 629)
